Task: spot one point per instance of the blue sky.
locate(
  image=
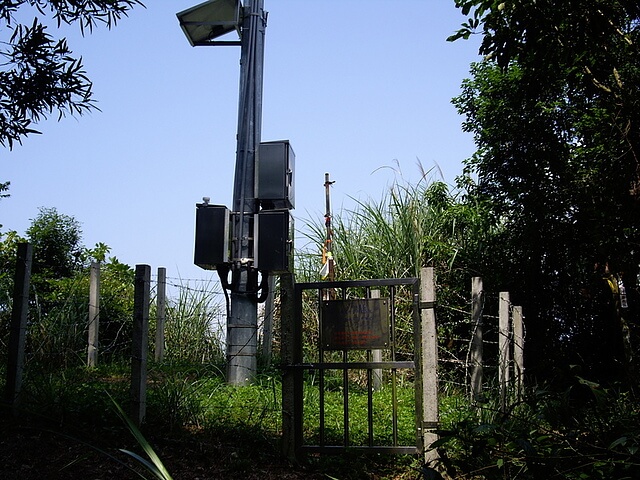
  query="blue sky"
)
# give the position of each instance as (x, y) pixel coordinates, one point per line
(355, 86)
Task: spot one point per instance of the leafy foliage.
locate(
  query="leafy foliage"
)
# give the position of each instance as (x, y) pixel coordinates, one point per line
(585, 431)
(39, 75)
(56, 240)
(4, 187)
(553, 110)
(60, 289)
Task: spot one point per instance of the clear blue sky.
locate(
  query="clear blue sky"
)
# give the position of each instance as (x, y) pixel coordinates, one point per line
(354, 85)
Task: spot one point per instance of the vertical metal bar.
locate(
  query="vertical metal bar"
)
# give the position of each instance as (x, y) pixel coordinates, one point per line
(376, 354)
(369, 400)
(394, 377)
(321, 372)
(370, 383)
(267, 327)
(329, 230)
(418, 360)
(345, 391)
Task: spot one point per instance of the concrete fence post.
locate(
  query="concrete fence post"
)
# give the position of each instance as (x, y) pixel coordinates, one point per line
(18, 332)
(476, 351)
(161, 313)
(94, 315)
(140, 343)
(430, 415)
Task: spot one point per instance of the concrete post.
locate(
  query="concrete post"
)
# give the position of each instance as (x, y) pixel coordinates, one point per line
(94, 315)
(140, 343)
(18, 332)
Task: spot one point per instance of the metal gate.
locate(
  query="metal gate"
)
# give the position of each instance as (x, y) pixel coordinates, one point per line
(355, 367)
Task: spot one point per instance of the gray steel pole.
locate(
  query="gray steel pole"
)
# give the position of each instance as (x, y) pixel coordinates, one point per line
(242, 324)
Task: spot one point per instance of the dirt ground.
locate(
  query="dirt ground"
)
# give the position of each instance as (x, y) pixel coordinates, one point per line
(28, 452)
(31, 450)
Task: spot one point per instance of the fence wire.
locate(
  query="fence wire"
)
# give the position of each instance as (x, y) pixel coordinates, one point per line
(195, 329)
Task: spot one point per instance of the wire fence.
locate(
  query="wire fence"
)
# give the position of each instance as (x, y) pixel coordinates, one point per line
(58, 326)
(481, 345)
(195, 331)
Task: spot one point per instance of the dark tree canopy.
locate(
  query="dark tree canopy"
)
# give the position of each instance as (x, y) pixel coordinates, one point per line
(554, 112)
(57, 244)
(38, 75)
(591, 48)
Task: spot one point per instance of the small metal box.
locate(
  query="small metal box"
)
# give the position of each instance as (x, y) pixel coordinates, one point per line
(276, 175)
(274, 239)
(212, 236)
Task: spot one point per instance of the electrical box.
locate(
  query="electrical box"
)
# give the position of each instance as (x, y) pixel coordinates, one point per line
(212, 236)
(276, 175)
(274, 239)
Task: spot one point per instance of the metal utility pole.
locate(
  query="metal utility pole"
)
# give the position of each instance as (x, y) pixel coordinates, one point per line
(242, 325)
(202, 25)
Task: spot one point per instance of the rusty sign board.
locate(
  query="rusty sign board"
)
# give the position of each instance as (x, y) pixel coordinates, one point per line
(355, 324)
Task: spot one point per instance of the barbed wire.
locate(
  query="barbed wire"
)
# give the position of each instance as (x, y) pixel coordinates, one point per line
(462, 318)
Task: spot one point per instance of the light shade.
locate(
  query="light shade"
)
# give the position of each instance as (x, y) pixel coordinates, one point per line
(209, 20)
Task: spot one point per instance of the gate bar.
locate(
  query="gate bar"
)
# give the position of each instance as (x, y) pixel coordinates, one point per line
(299, 367)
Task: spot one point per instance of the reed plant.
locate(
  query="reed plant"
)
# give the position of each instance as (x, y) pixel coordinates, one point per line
(57, 333)
(194, 326)
(412, 226)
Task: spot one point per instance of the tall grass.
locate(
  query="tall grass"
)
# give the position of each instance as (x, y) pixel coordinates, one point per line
(194, 325)
(410, 227)
(57, 333)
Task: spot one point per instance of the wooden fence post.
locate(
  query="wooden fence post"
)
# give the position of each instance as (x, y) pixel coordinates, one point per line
(503, 346)
(140, 343)
(161, 313)
(518, 349)
(430, 416)
(18, 332)
(477, 299)
(94, 315)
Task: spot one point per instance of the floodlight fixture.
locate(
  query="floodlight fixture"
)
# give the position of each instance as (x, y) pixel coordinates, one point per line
(204, 23)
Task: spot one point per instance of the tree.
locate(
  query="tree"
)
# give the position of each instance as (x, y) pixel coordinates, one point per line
(60, 290)
(57, 244)
(4, 188)
(553, 110)
(39, 74)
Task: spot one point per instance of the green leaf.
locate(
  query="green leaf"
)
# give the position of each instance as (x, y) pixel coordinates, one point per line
(620, 441)
(156, 467)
